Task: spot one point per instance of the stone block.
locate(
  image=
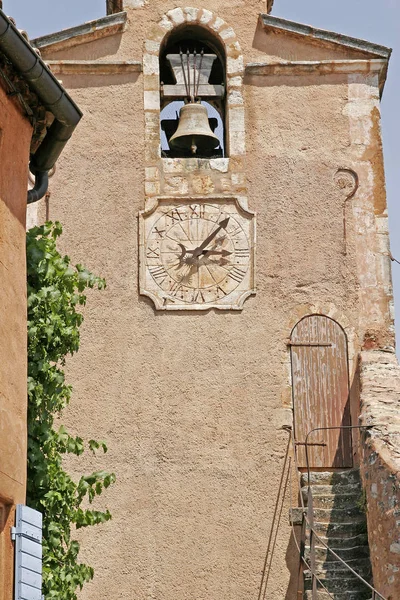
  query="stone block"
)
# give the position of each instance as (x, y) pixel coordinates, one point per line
(235, 65)
(151, 83)
(219, 164)
(172, 165)
(203, 184)
(218, 24)
(382, 225)
(236, 164)
(152, 174)
(152, 47)
(166, 24)
(152, 152)
(151, 100)
(236, 81)
(236, 120)
(191, 14)
(177, 185)
(235, 98)
(225, 184)
(227, 34)
(239, 181)
(151, 64)
(296, 516)
(151, 121)
(237, 143)
(152, 188)
(176, 16)
(206, 17)
(233, 50)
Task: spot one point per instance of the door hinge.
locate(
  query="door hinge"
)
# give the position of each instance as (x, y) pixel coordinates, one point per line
(21, 531)
(311, 344)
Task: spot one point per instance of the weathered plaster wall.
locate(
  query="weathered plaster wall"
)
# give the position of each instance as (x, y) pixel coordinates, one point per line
(15, 138)
(380, 399)
(191, 405)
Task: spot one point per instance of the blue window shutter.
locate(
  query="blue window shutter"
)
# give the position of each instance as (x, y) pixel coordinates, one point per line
(27, 534)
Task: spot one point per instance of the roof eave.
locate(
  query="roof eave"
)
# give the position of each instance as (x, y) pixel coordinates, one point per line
(81, 34)
(283, 25)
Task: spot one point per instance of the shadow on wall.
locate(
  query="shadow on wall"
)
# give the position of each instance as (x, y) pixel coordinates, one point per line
(292, 555)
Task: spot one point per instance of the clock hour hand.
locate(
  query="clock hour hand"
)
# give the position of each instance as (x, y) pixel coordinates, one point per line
(199, 250)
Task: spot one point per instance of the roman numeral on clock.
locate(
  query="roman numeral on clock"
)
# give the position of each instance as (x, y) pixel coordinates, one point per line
(153, 253)
(175, 215)
(242, 252)
(220, 292)
(175, 289)
(237, 274)
(235, 231)
(158, 273)
(159, 231)
(198, 210)
(198, 296)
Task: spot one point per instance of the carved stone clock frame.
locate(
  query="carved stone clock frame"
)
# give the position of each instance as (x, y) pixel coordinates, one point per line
(197, 253)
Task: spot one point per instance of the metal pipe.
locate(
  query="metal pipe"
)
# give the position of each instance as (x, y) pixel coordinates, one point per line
(184, 74)
(188, 74)
(40, 188)
(51, 94)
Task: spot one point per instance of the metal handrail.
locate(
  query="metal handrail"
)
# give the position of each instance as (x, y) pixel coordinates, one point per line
(309, 517)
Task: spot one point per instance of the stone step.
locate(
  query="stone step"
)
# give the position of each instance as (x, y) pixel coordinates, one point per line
(347, 595)
(344, 501)
(340, 584)
(340, 521)
(347, 554)
(335, 478)
(339, 543)
(346, 529)
(351, 488)
(335, 568)
(339, 515)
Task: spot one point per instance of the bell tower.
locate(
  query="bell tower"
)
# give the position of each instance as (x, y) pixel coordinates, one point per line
(222, 183)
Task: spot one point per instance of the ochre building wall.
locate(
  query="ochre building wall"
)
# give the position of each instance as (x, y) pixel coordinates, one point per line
(15, 138)
(192, 405)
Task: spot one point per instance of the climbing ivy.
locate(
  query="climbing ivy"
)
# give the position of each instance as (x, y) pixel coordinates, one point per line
(55, 292)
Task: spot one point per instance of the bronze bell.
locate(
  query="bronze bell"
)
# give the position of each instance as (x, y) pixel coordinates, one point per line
(194, 131)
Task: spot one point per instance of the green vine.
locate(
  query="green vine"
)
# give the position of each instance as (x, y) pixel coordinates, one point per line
(55, 292)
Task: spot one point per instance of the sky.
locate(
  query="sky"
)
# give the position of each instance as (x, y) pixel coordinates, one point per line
(373, 20)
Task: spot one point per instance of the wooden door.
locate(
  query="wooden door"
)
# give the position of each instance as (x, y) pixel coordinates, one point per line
(320, 382)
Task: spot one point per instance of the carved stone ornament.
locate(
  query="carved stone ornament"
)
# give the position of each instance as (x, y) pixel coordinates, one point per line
(197, 254)
(347, 182)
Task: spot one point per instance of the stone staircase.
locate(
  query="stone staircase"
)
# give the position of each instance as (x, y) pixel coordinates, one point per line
(340, 521)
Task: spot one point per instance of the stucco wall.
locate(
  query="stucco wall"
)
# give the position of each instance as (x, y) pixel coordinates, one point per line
(191, 405)
(380, 397)
(15, 137)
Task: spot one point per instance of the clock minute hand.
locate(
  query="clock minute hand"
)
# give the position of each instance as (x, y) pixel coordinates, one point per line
(220, 252)
(209, 239)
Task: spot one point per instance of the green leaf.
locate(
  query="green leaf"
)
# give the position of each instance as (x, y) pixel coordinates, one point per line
(55, 290)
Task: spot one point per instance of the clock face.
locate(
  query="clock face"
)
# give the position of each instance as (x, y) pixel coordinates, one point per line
(198, 255)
